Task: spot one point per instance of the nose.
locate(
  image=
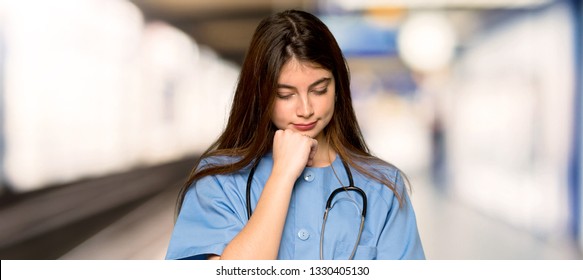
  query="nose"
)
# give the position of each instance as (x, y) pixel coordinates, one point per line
(304, 108)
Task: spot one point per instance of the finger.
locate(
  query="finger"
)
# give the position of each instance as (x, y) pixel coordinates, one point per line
(313, 150)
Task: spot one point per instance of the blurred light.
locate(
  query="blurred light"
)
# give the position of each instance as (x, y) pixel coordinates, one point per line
(364, 4)
(168, 48)
(362, 36)
(426, 41)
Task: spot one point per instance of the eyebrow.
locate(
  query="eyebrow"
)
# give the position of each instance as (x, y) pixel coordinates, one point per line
(318, 82)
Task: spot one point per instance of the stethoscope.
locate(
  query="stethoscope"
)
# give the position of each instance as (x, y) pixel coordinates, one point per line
(329, 205)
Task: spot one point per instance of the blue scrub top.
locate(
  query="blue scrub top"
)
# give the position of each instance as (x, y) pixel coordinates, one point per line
(214, 211)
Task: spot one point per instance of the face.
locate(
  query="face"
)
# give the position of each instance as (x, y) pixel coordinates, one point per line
(305, 98)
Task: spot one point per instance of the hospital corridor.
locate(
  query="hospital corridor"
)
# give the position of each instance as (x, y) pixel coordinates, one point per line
(479, 103)
(449, 229)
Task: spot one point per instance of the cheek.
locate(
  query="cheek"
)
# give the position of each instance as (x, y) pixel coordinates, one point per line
(279, 115)
(327, 108)
(331, 102)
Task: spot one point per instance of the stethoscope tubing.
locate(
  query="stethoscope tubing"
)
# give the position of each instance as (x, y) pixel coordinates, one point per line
(329, 205)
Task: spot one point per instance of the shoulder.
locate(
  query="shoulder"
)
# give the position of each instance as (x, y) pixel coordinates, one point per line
(213, 185)
(387, 180)
(212, 179)
(211, 161)
(383, 169)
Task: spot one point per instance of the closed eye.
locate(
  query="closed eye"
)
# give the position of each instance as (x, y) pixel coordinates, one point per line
(284, 95)
(321, 91)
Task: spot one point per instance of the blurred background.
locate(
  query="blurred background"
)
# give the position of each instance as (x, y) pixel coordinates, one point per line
(105, 105)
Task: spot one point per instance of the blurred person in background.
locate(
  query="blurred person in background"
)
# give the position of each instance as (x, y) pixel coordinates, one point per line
(291, 152)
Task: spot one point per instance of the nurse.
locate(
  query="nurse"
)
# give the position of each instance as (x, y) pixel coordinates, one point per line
(292, 139)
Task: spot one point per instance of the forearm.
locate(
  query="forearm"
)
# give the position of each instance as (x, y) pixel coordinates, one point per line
(261, 236)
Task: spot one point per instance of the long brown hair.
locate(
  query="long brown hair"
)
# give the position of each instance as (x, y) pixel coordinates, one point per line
(249, 131)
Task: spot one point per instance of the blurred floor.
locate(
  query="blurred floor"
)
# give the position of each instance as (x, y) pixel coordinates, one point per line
(47, 224)
(449, 230)
(142, 234)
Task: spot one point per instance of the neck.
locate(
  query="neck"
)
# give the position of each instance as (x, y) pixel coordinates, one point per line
(324, 155)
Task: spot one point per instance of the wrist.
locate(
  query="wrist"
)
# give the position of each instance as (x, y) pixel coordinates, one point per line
(284, 175)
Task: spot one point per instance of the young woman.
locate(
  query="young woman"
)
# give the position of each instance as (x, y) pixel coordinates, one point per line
(292, 150)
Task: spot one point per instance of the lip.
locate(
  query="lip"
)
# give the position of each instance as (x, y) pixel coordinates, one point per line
(304, 127)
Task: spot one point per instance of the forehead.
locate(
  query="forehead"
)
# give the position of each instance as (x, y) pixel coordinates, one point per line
(295, 69)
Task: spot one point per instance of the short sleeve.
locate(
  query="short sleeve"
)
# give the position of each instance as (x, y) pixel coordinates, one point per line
(207, 221)
(399, 238)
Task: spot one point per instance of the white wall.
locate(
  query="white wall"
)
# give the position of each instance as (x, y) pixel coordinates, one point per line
(509, 124)
(92, 89)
